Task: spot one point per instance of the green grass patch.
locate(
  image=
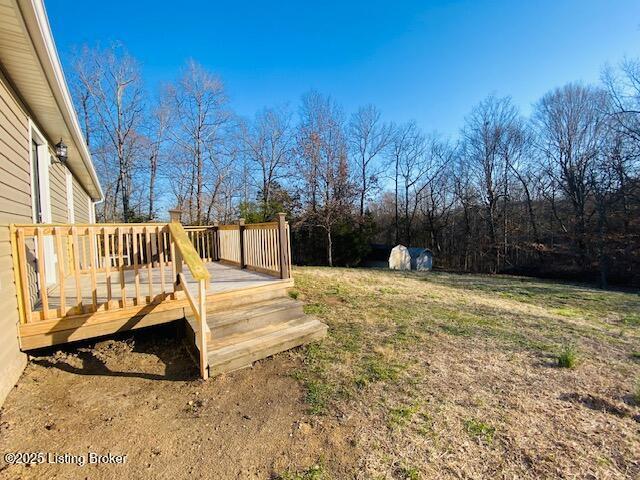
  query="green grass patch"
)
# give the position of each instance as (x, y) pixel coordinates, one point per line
(315, 309)
(404, 334)
(400, 416)
(567, 312)
(318, 395)
(376, 369)
(456, 330)
(315, 472)
(294, 294)
(409, 473)
(568, 357)
(479, 430)
(631, 319)
(349, 336)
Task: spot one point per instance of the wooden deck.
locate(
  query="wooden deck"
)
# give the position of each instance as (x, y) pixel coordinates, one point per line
(229, 287)
(225, 285)
(224, 278)
(108, 278)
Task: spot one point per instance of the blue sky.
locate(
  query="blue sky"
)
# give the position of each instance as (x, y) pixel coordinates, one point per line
(425, 60)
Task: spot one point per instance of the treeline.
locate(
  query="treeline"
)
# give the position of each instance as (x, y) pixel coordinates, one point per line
(555, 194)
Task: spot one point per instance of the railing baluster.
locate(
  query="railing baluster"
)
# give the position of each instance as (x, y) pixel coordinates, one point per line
(136, 270)
(174, 268)
(107, 265)
(84, 252)
(92, 263)
(22, 266)
(99, 252)
(287, 250)
(60, 262)
(282, 244)
(76, 271)
(261, 248)
(44, 298)
(147, 236)
(202, 307)
(160, 239)
(256, 247)
(123, 287)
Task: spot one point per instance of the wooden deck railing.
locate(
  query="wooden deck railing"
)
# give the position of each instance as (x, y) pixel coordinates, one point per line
(204, 240)
(100, 259)
(261, 247)
(65, 270)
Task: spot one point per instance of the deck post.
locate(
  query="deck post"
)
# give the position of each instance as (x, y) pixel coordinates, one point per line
(241, 235)
(282, 244)
(216, 241)
(202, 334)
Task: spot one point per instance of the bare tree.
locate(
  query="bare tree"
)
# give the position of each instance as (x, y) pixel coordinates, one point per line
(490, 136)
(623, 87)
(197, 104)
(268, 143)
(323, 165)
(157, 138)
(368, 138)
(112, 92)
(570, 123)
(408, 145)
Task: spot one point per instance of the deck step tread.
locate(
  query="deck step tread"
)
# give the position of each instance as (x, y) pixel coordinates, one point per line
(216, 319)
(230, 340)
(242, 349)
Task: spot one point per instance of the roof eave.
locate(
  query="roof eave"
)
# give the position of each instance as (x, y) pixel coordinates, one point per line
(37, 23)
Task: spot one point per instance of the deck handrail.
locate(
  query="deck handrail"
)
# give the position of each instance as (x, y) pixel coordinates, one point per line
(185, 252)
(188, 252)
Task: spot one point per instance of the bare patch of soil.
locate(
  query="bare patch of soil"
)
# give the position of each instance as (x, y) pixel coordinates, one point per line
(140, 396)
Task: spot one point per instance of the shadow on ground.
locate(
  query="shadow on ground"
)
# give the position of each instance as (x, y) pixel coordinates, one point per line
(100, 357)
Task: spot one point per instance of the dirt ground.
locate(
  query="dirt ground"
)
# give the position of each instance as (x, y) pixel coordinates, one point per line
(139, 395)
(422, 376)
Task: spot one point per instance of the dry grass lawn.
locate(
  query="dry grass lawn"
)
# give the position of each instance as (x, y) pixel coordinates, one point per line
(456, 376)
(428, 376)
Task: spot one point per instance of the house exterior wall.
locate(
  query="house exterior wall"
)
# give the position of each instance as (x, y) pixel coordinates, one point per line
(81, 203)
(58, 186)
(15, 207)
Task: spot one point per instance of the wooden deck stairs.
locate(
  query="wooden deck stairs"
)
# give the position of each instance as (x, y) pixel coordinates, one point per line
(241, 335)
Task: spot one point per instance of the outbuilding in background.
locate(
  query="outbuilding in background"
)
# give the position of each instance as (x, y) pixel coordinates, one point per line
(400, 259)
(424, 261)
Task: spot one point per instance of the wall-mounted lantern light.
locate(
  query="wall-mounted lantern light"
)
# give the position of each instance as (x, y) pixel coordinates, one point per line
(61, 151)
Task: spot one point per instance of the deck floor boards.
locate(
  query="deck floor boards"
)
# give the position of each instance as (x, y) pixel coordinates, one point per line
(223, 278)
